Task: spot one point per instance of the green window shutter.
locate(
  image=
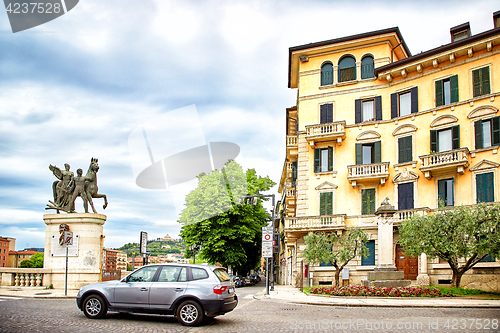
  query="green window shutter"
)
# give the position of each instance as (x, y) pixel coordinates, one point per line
(370, 259)
(316, 160)
(357, 111)
(439, 93)
(476, 82)
(405, 149)
(414, 100)
(378, 151)
(485, 81)
(434, 140)
(454, 89)
(401, 148)
(322, 204)
(394, 105)
(480, 187)
(442, 192)
(489, 188)
(378, 108)
(329, 203)
(478, 131)
(294, 173)
(495, 125)
(371, 201)
(330, 158)
(359, 154)
(455, 132)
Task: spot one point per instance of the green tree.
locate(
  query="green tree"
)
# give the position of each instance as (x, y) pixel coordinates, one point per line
(462, 236)
(214, 221)
(335, 249)
(36, 261)
(26, 264)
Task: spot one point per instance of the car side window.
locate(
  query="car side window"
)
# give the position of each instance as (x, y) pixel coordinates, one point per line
(199, 273)
(145, 274)
(172, 274)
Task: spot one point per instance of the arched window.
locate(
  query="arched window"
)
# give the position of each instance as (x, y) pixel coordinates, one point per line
(347, 69)
(326, 74)
(367, 67)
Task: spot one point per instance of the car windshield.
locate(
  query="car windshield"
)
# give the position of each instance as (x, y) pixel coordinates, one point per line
(222, 274)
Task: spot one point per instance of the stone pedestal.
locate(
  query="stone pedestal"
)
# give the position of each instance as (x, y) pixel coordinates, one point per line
(386, 274)
(423, 278)
(84, 256)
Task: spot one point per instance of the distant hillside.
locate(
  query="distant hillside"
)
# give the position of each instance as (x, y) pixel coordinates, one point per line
(155, 247)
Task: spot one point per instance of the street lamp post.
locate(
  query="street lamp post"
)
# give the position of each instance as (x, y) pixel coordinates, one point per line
(272, 248)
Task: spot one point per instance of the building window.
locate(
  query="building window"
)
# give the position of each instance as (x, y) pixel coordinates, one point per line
(326, 74)
(326, 113)
(370, 259)
(445, 192)
(405, 149)
(447, 91)
(481, 81)
(347, 69)
(368, 109)
(444, 140)
(485, 187)
(367, 68)
(405, 196)
(368, 201)
(368, 153)
(487, 132)
(294, 173)
(404, 103)
(326, 203)
(323, 159)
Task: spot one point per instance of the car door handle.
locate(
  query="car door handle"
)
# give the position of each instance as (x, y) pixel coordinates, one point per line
(144, 289)
(179, 289)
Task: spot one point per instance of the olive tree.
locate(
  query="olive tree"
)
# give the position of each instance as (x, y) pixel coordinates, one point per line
(462, 236)
(335, 249)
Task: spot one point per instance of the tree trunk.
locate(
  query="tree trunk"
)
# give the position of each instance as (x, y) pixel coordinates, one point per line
(337, 277)
(457, 277)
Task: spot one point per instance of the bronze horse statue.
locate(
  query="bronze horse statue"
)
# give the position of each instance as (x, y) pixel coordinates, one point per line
(68, 187)
(91, 185)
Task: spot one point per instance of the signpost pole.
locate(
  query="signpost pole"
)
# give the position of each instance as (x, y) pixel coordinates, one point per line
(66, 274)
(267, 276)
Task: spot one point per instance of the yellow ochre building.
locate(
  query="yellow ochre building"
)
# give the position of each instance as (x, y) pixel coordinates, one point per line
(374, 121)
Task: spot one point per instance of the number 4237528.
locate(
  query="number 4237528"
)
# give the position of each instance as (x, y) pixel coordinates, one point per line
(34, 7)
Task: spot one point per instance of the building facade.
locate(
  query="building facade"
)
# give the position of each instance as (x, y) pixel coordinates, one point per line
(17, 257)
(4, 252)
(373, 121)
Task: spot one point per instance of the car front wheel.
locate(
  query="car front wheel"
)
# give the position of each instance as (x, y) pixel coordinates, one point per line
(94, 307)
(189, 313)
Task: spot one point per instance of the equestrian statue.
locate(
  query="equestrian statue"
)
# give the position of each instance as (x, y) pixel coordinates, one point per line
(68, 187)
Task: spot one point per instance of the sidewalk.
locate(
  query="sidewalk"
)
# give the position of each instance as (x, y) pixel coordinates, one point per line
(36, 292)
(290, 294)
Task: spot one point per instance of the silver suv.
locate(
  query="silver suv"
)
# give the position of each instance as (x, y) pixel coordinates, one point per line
(190, 292)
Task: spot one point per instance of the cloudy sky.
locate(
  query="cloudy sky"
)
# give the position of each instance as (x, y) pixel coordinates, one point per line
(77, 87)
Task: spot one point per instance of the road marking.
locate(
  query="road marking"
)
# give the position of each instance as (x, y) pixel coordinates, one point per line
(6, 298)
(248, 296)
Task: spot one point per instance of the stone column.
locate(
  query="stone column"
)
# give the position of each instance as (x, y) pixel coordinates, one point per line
(423, 278)
(385, 236)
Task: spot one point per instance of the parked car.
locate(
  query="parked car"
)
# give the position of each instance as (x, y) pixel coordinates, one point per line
(242, 280)
(188, 291)
(236, 280)
(254, 278)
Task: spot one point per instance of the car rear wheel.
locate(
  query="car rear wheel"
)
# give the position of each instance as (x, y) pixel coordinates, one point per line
(189, 313)
(94, 307)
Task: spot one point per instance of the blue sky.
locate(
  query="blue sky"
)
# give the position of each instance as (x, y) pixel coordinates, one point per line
(76, 87)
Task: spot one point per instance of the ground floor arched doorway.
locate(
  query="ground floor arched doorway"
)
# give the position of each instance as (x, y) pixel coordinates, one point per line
(407, 264)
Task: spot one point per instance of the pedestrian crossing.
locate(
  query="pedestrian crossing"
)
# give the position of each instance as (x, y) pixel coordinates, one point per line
(8, 298)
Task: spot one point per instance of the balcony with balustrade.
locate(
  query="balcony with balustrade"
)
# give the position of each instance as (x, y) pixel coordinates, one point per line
(295, 226)
(451, 160)
(326, 132)
(292, 147)
(368, 172)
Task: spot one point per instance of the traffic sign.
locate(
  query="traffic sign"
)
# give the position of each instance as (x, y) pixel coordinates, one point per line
(267, 235)
(68, 238)
(144, 242)
(267, 250)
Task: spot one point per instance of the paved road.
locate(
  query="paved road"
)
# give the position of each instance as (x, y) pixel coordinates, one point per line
(62, 315)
